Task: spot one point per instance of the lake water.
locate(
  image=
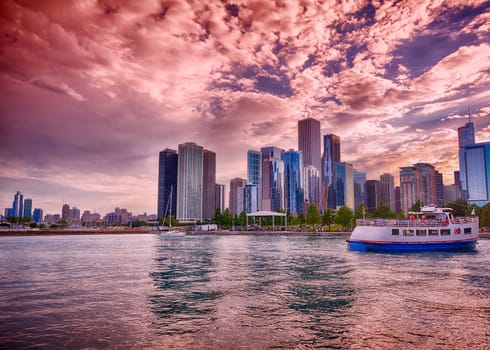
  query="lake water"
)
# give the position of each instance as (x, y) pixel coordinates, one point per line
(239, 292)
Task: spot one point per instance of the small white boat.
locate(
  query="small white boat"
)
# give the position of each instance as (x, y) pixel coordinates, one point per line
(170, 232)
(430, 229)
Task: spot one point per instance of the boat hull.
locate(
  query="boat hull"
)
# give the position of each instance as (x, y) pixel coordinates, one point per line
(366, 246)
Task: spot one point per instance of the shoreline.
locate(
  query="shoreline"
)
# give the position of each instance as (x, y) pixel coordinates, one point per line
(20, 233)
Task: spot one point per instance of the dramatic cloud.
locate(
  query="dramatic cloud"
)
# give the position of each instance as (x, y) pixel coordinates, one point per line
(93, 90)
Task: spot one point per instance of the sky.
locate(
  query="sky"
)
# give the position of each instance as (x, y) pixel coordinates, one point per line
(92, 91)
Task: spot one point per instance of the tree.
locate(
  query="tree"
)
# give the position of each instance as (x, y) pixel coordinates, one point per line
(218, 217)
(312, 215)
(227, 218)
(485, 216)
(344, 217)
(416, 206)
(32, 225)
(459, 207)
(383, 211)
(242, 218)
(328, 217)
(62, 223)
(359, 214)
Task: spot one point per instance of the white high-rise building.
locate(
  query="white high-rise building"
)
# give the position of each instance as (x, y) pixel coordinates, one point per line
(190, 182)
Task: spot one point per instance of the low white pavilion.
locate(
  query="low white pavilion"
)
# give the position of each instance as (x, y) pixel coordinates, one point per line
(264, 213)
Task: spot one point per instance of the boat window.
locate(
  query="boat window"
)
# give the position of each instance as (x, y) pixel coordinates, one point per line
(421, 232)
(445, 232)
(408, 232)
(467, 230)
(395, 232)
(433, 232)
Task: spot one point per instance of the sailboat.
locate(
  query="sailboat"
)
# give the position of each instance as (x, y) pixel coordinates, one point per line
(170, 232)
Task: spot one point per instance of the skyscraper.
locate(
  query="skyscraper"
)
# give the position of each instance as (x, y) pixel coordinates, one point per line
(373, 197)
(27, 208)
(309, 141)
(466, 137)
(37, 215)
(428, 192)
(254, 173)
(209, 183)
(387, 190)
(66, 213)
(167, 181)
(344, 185)
(359, 189)
(272, 178)
(235, 184)
(312, 185)
(410, 184)
(476, 178)
(18, 205)
(220, 197)
(190, 182)
(439, 189)
(331, 155)
(293, 181)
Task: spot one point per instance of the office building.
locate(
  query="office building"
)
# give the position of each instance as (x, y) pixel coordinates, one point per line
(331, 156)
(387, 190)
(167, 182)
(190, 182)
(236, 196)
(75, 216)
(359, 189)
(309, 141)
(344, 185)
(220, 197)
(66, 213)
(312, 185)
(272, 178)
(427, 184)
(475, 176)
(27, 208)
(451, 193)
(439, 189)
(17, 205)
(254, 172)
(466, 137)
(373, 195)
(248, 198)
(37, 216)
(410, 185)
(209, 184)
(293, 181)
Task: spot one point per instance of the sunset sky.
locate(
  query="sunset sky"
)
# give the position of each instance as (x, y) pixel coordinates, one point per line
(91, 91)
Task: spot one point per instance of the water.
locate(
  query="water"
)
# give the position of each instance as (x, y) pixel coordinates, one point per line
(241, 292)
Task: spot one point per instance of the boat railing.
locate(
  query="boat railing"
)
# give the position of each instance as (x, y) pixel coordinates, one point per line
(412, 223)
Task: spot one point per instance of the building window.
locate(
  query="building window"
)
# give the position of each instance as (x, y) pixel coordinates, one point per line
(445, 232)
(407, 232)
(395, 232)
(433, 232)
(421, 232)
(467, 230)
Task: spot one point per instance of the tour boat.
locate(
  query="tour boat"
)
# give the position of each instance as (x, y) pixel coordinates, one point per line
(430, 229)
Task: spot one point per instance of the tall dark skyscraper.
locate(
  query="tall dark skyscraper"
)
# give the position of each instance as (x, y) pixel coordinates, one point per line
(309, 142)
(27, 208)
(387, 190)
(373, 195)
(18, 205)
(167, 180)
(209, 184)
(439, 189)
(293, 181)
(331, 155)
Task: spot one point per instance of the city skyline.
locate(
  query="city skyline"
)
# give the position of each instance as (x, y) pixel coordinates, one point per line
(110, 86)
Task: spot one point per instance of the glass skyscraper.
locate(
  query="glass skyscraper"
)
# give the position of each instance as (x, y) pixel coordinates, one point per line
(167, 180)
(309, 141)
(209, 184)
(476, 178)
(331, 156)
(277, 200)
(312, 184)
(344, 185)
(466, 137)
(359, 188)
(27, 208)
(293, 180)
(254, 173)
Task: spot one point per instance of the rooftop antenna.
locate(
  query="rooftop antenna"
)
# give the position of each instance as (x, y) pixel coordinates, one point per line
(306, 111)
(469, 114)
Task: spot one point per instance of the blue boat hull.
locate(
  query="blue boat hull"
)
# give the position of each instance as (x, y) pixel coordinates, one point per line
(407, 247)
